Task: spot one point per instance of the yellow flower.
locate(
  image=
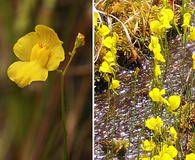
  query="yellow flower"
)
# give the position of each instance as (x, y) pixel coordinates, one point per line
(159, 26)
(110, 58)
(157, 71)
(106, 68)
(186, 20)
(165, 23)
(174, 102)
(148, 145)
(154, 124)
(103, 30)
(155, 27)
(156, 95)
(191, 37)
(173, 133)
(158, 56)
(40, 51)
(190, 156)
(168, 150)
(154, 43)
(156, 48)
(115, 84)
(95, 18)
(167, 14)
(193, 58)
(110, 42)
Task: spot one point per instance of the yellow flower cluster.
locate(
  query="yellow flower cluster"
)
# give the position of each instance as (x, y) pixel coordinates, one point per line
(172, 103)
(158, 27)
(161, 145)
(108, 65)
(166, 153)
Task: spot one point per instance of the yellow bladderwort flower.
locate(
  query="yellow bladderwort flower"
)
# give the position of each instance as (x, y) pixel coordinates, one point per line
(167, 14)
(110, 42)
(193, 58)
(106, 68)
(155, 27)
(154, 124)
(156, 48)
(186, 20)
(110, 58)
(173, 132)
(95, 18)
(156, 95)
(158, 56)
(103, 30)
(154, 43)
(165, 23)
(190, 156)
(168, 150)
(191, 37)
(159, 26)
(40, 51)
(174, 102)
(148, 145)
(157, 71)
(114, 85)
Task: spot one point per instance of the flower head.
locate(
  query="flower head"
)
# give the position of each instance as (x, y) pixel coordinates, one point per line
(115, 84)
(190, 156)
(39, 52)
(174, 102)
(156, 95)
(168, 150)
(186, 20)
(191, 37)
(110, 58)
(95, 18)
(110, 42)
(173, 132)
(148, 145)
(103, 30)
(157, 71)
(193, 58)
(106, 68)
(155, 27)
(154, 124)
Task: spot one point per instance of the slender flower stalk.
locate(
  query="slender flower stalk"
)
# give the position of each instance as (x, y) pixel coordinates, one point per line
(78, 43)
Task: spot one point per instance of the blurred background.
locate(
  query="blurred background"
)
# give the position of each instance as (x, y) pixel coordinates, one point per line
(30, 119)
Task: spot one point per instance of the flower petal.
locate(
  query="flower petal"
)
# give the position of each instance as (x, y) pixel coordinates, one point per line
(57, 55)
(47, 36)
(23, 46)
(23, 73)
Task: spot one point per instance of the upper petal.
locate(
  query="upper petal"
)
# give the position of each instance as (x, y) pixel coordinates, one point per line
(23, 73)
(23, 46)
(57, 55)
(47, 36)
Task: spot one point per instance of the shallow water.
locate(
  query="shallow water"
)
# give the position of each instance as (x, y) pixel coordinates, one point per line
(123, 116)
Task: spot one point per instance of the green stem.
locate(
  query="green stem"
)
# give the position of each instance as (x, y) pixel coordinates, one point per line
(63, 105)
(63, 119)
